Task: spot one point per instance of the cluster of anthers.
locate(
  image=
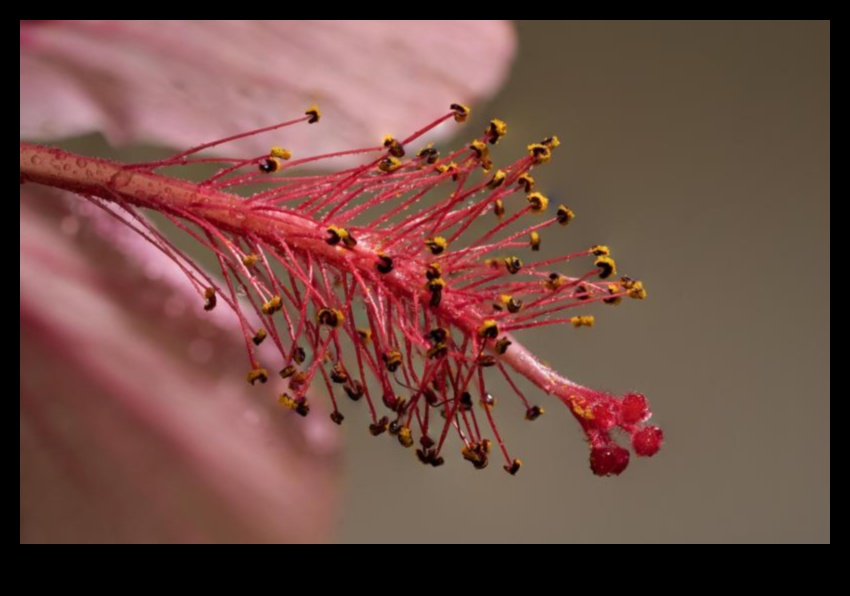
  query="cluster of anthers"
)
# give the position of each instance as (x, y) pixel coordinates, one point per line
(377, 289)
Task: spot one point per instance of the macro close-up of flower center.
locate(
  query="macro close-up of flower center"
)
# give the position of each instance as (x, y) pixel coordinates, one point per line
(372, 283)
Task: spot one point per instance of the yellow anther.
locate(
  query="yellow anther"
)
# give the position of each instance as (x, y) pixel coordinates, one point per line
(565, 215)
(514, 264)
(437, 245)
(339, 374)
(514, 466)
(330, 317)
(600, 250)
(551, 142)
(634, 289)
(496, 130)
(434, 271)
(428, 154)
(257, 374)
(499, 208)
(535, 241)
(280, 153)
(299, 406)
(534, 412)
(489, 329)
(480, 149)
(287, 372)
(502, 345)
(540, 152)
(259, 336)
(274, 304)
(438, 350)
(209, 298)
(365, 335)
(497, 180)
(526, 181)
(392, 360)
(405, 437)
(389, 164)
(512, 304)
(250, 260)
(393, 146)
(613, 289)
(299, 355)
(450, 168)
(314, 113)
(269, 165)
(537, 201)
(607, 267)
(461, 112)
(553, 282)
(582, 321)
(435, 286)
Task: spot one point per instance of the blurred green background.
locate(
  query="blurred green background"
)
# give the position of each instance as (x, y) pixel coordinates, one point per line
(700, 152)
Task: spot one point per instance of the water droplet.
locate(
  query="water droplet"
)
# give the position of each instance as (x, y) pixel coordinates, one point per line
(66, 167)
(81, 163)
(35, 160)
(122, 178)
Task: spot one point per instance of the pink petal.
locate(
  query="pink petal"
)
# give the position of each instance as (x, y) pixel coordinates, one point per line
(136, 421)
(183, 82)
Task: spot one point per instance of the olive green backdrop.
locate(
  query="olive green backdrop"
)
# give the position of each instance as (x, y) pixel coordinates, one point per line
(700, 153)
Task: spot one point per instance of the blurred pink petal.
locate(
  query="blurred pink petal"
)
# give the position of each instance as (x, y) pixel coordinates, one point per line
(179, 83)
(136, 421)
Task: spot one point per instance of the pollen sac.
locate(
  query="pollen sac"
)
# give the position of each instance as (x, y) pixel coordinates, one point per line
(384, 264)
(298, 381)
(513, 264)
(482, 153)
(379, 427)
(438, 334)
(433, 271)
(329, 317)
(259, 336)
(338, 374)
(405, 437)
(553, 282)
(392, 360)
(354, 390)
(272, 305)
(613, 290)
(438, 350)
(337, 417)
(496, 130)
(514, 467)
(565, 215)
(287, 371)
(364, 335)
(600, 250)
(337, 235)
(486, 360)
(257, 374)
(435, 286)
(269, 165)
(461, 112)
(298, 405)
(393, 146)
(497, 180)
(502, 345)
(299, 355)
(314, 114)
(540, 153)
(537, 202)
(437, 245)
(534, 241)
(607, 267)
(429, 456)
(389, 165)
(465, 401)
(429, 155)
(209, 299)
(582, 321)
(526, 182)
(634, 289)
(489, 329)
(499, 208)
(250, 260)
(280, 153)
(581, 292)
(488, 401)
(475, 454)
(608, 460)
(551, 142)
(534, 412)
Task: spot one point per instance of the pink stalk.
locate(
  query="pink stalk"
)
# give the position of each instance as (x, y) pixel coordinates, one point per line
(299, 225)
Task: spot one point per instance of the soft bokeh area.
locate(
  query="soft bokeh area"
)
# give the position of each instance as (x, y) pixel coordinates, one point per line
(700, 153)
